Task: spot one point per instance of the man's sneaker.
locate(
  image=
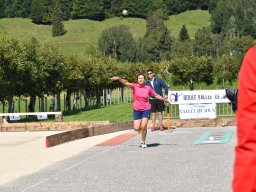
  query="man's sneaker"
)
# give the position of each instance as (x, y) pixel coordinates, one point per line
(161, 127)
(153, 128)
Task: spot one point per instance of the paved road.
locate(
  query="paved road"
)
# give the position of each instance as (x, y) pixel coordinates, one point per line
(171, 163)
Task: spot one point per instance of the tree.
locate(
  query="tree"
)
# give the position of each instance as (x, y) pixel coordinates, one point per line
(90, 9)
(21, 8)
(97, 69)
(65, 9)
(112, 7)
(7, 4)
(200, 69)
(52, 61)
(94, 9)
(118, 42)
(28, 84)
(50, 71)
(236, 47)
(149, 49)
(220, 15)
(17, 8)
(41, 11)
(165, 44)
(156, 44)
(250, 28)
(155, 23)
(73, 77)
(137, 8)
(203, 44)
(37, 11)
(158, 5)
(57, 25)
(183, 35)
(212, 4)
(181, 49)
(26, 8)
(175, 6)
(2, 9)
(217, 42)
(241, 10)
(226, 69)
(10, 64)
(231, 29)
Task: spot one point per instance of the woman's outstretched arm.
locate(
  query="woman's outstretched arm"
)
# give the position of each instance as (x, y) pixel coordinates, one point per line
(123, 81)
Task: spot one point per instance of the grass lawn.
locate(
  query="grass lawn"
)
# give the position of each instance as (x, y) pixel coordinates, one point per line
(120, 113)
(193, 20)
(124, 113)
(82, 32)
(117, 113)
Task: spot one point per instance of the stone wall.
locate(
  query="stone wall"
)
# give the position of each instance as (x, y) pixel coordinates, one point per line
(50, 126)
(67, 126)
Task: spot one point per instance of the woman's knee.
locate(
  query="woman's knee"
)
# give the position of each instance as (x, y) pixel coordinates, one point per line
(136, 125)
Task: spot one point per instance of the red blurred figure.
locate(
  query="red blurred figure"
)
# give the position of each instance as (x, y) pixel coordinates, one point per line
(244, 179)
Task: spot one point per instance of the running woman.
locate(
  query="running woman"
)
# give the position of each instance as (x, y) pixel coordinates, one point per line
(141, 105)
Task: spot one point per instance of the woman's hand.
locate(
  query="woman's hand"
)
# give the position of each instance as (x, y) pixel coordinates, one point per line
(115, 78)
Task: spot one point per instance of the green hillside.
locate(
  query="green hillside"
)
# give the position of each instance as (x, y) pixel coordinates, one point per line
(193, 20)
(81, 33)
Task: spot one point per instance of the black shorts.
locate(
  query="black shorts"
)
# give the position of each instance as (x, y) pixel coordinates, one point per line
(157, 105)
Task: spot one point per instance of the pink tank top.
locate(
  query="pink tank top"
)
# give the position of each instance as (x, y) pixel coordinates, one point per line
(141, 96)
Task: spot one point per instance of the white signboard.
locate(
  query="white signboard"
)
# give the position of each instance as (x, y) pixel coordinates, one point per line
(197, 111)
(14, 117)
(42, 116)
(200, 96)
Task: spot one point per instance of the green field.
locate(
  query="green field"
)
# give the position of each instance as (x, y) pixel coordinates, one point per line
(83, 32)
(117, 113)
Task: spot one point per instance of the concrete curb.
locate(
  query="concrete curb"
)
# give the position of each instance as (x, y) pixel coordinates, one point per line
(67, 136)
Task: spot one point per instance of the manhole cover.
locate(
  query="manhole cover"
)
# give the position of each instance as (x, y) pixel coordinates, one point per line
(214, 137)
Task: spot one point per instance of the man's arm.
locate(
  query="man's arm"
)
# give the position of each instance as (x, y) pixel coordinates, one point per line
(123, 81)
(165, 87)
(159, 97)
(154, 94)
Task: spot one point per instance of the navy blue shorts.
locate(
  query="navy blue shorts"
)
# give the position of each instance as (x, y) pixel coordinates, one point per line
(141, 114)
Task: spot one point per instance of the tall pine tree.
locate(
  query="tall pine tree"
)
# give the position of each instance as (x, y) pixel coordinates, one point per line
(156, 44)
(57, 25)
(183, 35)
(203, 43)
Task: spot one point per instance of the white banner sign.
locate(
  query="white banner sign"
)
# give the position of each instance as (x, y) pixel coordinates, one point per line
(42, 116)
(200, 96)
(197, 111)
(14, 117)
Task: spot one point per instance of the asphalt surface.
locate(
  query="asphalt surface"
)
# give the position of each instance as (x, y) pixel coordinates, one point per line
(170, 163)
